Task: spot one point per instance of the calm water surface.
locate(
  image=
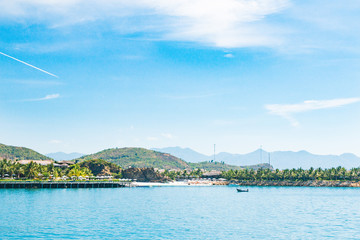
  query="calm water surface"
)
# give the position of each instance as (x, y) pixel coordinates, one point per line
(180, 213)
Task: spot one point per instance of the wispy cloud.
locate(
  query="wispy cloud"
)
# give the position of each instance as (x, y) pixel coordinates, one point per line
(226, 23)
(229, 55)
(152, 138)
(167, 135)
(41, 70)
(47, 97)
(288, 110)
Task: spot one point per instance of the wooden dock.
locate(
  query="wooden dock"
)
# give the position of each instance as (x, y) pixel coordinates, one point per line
(74, 184)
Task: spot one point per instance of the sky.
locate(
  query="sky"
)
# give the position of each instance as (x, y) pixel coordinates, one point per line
(87, 75)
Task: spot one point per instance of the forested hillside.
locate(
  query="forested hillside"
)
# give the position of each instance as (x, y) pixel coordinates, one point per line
(19, 153)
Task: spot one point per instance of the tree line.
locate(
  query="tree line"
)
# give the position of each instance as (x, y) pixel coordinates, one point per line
(33, 170)
(299, 174)
(195, 173)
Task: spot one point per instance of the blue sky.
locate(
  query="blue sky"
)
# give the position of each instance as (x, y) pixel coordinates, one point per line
(278, 73)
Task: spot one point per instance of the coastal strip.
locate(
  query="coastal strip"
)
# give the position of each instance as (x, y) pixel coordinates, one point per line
(54, 185)
(309, 183)
(188, 183)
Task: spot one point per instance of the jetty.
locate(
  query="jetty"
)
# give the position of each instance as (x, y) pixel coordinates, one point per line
(67, 184)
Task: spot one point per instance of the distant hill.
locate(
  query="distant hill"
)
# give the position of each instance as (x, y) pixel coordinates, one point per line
(59, 156)
(140, 157)
(306, 160)
(278, 159)
(208, 166)
(186, 154)
(20, 153)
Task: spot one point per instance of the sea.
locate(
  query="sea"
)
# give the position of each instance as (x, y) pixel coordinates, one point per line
(214, 212)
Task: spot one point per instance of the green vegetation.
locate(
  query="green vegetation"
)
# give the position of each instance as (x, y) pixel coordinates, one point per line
(97, 167)
(101, 167)
(124, 157)
(32, 170)
(183, 174)
(20, 153)
(196, 171)
(338, 173)
(221, 166)
(218, 166)
(138, 157)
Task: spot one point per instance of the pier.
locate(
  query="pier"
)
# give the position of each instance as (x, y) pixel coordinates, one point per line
(89, 184)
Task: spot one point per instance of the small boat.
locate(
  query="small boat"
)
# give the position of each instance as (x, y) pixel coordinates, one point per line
(242, 190)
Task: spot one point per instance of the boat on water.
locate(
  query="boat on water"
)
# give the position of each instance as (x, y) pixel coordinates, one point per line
(242, 190)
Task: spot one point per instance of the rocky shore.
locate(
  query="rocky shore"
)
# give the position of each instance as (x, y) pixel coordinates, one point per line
(144, 175)
(311, 183)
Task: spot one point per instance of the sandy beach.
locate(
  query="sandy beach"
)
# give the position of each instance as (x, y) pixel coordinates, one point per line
(176, 184)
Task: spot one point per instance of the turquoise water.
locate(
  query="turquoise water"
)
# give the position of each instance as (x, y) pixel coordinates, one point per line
(180, 213)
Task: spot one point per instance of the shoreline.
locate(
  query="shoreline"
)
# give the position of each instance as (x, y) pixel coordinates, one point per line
(310, 183)
(180, 184)
(113, 184)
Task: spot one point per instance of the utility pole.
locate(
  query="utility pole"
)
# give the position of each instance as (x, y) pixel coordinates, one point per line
(269, 160)
(214, 152)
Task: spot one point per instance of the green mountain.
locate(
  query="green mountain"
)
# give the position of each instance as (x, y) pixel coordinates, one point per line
(140, 157)
(19, 153)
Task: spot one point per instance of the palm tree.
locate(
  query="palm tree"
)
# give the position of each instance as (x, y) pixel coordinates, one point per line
(4, 167)
(31, 170)
(76, 171)
(19, 170)
(11, 170)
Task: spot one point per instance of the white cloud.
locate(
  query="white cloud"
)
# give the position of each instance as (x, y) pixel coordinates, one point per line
(221, 23)
(47, 97)
(152, 138)
(55, 141)
(287, 110)
(167, 135)
(229, 55)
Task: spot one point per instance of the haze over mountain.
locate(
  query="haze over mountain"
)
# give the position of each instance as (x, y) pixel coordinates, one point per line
(186, 154)
(278, 159)
(59, 156)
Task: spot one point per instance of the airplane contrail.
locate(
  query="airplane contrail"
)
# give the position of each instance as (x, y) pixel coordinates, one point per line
(29, 65)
